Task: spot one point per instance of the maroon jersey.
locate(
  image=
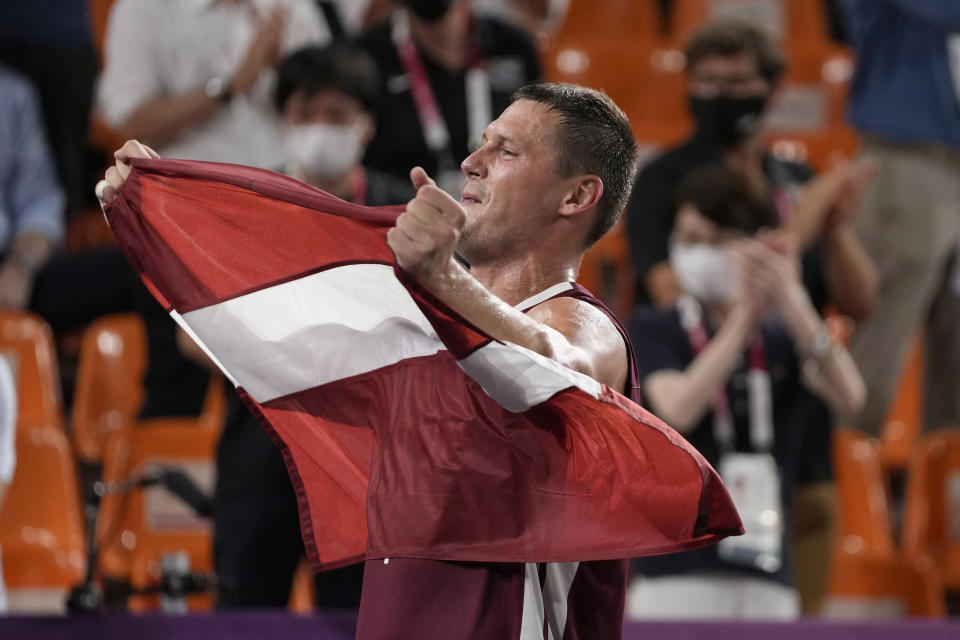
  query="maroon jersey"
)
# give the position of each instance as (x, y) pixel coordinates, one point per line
(415, 598)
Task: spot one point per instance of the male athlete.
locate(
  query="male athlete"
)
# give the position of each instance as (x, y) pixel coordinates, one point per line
(551, 176)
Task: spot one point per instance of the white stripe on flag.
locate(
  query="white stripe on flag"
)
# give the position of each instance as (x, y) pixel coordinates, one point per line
(518, 378)
(307, 332)
(351, 320)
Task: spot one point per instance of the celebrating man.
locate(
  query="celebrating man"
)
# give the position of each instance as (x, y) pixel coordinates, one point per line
(549, 178)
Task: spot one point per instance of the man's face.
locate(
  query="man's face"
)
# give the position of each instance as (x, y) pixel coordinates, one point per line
(733, 76)
(512, 185)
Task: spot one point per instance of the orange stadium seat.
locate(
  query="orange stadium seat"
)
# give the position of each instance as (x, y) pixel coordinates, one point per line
(303, 594)
(135, 530)
(798, 20)
(904, 421)
(108, 391)
(863, 504)
(869, 576)
(645, 78)
(635, 18)
(41, 532)
(870, 588)
(818, 149)
(28, 342)
(931, 523)
(816, 87)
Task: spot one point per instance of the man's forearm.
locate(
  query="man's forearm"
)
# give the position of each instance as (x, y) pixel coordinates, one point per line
(683, 400)
(836, 378)
(160, 119)
(465, 295)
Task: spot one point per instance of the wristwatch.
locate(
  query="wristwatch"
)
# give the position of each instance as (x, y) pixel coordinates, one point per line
(218, 89)
(821, 345)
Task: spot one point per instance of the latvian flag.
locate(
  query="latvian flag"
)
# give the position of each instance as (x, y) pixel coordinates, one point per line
(406, 431)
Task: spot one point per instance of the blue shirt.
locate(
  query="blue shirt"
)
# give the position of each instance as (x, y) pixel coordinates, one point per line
(902, 87)
(30, 197)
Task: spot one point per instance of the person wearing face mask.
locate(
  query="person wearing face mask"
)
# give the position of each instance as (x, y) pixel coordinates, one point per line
(733, 71)
(446, 73)
(725, 366)
(327, 97)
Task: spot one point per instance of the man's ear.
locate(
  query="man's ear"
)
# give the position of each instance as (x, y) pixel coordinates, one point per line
(584, 194)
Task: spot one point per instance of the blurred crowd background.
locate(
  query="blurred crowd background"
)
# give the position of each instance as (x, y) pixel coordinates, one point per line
(787, 266)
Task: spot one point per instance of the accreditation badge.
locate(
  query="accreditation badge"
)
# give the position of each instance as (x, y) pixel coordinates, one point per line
(753, 481)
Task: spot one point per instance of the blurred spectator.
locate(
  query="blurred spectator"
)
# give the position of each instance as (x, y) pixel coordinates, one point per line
(327, 98)
(906, 102)
(733, 71)
(50, 43)
(445, 75)
(8, 457)
(193, 77)
(67, 290)
(31, 201)
(725, 367)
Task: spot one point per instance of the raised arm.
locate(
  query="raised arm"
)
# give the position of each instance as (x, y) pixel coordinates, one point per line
(828, 368)
(682, 398)
(825, 211)
(574, 334)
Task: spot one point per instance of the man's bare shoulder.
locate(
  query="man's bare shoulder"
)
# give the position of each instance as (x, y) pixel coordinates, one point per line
(583, 324)
(591, 331)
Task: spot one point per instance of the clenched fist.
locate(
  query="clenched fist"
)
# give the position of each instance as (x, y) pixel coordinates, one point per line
(108, 188)
(426, 234)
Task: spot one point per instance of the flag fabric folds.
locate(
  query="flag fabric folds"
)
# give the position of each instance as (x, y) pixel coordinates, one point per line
(407, 432)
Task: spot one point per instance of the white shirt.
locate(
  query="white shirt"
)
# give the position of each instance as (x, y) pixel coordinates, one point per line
(351, 14)
(170, 47)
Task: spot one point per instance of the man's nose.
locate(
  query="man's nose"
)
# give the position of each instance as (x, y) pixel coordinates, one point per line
(474, 164)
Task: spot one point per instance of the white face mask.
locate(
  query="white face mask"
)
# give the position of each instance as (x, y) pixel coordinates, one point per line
(322, 150)
(704, 271)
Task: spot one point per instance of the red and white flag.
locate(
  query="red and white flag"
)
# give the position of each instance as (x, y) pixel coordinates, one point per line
(407, 432)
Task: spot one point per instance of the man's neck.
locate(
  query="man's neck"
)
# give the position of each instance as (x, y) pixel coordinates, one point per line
(515, 281)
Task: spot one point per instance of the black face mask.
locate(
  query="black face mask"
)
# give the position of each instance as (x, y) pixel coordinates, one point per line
(429, 10)
(726, 121)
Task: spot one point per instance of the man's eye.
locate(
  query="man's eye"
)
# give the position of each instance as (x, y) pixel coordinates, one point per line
(508, 152)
